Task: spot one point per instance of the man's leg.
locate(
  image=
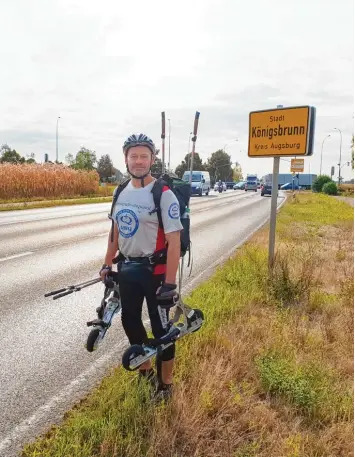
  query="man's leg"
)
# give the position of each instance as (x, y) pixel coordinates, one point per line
(159, 319)
(132, 296)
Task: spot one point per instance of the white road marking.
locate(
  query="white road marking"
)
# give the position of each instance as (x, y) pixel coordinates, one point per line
(15, 256)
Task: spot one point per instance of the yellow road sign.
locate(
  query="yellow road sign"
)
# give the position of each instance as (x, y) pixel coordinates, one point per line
(281, 132)
(297, 165)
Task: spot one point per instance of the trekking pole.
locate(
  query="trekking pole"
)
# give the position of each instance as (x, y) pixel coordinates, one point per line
(186, 215)
(193, 139)
(163, 141)
(77, 288)
(70, 289)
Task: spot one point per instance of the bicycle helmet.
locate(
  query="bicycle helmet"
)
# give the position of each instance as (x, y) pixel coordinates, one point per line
(138, 140)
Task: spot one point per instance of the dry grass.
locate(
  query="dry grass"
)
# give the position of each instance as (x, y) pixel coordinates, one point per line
(29, 181)
(346, 189)
(270, 374)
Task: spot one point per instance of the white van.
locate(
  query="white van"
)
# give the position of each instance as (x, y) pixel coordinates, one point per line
(201, 182)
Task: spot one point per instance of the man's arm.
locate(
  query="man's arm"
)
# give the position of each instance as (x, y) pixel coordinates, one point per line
(173, 256)
(112, 246)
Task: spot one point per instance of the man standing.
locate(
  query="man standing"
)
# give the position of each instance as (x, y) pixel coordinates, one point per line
(138, 238)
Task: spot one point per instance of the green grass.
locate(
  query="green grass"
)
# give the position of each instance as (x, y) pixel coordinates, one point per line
(308, 386)
(53, 203)
(255, 344)
(316, 210)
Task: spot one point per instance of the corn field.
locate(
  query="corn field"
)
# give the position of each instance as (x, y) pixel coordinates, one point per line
(47, 180)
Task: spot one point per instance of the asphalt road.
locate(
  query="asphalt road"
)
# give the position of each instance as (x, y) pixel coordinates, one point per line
(45, 368)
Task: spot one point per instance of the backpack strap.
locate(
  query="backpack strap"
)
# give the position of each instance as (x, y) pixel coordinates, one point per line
(116, 194)
(157, 192)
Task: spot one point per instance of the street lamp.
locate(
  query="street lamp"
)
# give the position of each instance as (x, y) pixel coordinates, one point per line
(345, 164)
(169, 145)
(341, 140)
(56, 142)
(321, 154)
(224, 147)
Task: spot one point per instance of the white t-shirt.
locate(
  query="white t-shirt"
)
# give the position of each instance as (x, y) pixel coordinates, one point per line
(139, 232)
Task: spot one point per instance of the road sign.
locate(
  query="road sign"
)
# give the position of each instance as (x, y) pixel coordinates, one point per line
(282, 132)
(297, 165)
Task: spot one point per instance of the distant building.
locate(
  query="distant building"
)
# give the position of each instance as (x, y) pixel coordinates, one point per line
(301, 179)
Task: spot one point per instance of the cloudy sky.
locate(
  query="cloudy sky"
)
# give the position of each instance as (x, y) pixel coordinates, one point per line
(108, 68)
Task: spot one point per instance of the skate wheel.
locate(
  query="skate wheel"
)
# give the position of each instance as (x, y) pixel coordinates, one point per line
(130, 354)
(100, 312)
(91, 343)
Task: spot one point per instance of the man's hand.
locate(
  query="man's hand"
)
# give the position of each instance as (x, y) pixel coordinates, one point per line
(167, 295)
(103, 272)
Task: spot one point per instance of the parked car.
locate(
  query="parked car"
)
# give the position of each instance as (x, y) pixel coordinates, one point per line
(230, 184)
(266, 189)
(239, 186)
(288, 186)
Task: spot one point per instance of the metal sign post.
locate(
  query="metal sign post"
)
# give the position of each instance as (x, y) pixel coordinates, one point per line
(274, 192)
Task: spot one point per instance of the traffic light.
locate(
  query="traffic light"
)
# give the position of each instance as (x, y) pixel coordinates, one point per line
(46, 157)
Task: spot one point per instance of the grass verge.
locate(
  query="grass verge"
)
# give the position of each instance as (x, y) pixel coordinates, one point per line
(104, 194)
(270, 374)
(52, 203)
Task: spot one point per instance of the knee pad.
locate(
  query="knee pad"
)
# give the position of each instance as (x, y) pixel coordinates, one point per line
(166, 355)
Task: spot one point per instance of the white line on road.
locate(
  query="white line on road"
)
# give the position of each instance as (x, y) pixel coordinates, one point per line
(16, 255)
(21, 430)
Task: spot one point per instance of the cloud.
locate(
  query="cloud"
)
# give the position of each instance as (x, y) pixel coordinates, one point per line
(109, 69)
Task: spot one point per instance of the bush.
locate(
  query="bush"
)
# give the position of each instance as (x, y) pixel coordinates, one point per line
(318, 184)
(330, 188)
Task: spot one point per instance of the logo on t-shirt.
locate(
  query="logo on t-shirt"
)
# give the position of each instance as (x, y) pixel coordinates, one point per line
(127, 222)
(174, 211)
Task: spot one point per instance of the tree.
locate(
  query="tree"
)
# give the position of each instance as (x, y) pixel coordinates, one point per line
(180, 169)
(105, 167)
(118, 175)
(237, 173)
(69, 158)
(10, 155)
(219, 166)
(318, 183)
(30, 158)
(185, 164)
(157, 166)
(84, 160)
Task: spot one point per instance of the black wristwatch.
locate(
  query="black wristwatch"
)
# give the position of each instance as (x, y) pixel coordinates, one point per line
(168, 286)
(105, 267)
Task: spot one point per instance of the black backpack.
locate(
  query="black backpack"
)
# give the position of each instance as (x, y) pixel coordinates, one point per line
(182, 191)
